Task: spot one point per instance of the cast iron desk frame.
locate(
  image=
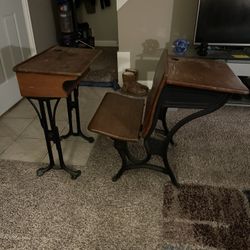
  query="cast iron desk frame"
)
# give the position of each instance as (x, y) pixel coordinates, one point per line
(174, 97)
(50, 76)
(184, 89)
(191, 84)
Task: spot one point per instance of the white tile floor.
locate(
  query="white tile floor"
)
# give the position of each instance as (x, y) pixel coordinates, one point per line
(22, 138)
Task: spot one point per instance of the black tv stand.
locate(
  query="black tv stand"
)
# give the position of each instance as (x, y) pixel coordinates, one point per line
(202, 49)
(223, 54)
(220, 54)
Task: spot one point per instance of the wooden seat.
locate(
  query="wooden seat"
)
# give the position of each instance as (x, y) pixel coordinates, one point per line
(118, 117)
(121, 117)
(125, 119)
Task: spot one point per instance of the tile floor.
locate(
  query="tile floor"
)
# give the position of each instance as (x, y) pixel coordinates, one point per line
(22, 138)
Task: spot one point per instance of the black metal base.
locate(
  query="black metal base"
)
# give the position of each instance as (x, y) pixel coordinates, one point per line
(153, 147)
(73, 173)
(147, 166)
(70, 106)
(177, 97)
(162, 117)
(51, 132)
(247, 193)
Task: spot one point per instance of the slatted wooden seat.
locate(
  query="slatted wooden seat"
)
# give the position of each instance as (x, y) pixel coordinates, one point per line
(125, 119)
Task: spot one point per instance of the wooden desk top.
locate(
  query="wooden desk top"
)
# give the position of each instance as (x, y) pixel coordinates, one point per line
(59, 61)
(204, 74)
(54, 72)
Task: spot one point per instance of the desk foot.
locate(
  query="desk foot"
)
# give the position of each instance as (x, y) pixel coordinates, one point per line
(118, 175)
(42, 171)
(169, 172)
(147, 166)
(173, 179)
(52, 135)
(129, 162)
(247, 193)
(73, 173)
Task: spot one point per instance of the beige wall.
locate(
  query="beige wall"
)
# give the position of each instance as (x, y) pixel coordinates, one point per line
(144, 23)
(183, 21)
(103, 23)
(42, 23)
(145, 27)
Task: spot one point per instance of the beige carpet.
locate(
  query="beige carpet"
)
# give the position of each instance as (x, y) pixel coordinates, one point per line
(92, 212)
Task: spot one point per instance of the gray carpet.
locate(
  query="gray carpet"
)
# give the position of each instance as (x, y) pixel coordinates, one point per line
(92, 212)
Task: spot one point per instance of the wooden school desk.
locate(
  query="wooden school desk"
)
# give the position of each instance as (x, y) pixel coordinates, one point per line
(52, 75)
(193, 83)
(178, 83)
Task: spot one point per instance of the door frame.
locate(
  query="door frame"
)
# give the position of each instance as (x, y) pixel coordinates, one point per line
(29, 27)
(25, 11)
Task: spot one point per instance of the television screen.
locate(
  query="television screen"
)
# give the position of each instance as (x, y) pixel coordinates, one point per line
(223, 22)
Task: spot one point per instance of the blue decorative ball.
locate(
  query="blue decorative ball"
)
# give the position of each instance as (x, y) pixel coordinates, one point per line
(180, 46)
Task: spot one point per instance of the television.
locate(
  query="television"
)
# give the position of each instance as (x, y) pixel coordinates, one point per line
(223, 23)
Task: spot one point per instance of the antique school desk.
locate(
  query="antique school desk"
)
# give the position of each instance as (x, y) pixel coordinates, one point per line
(194, 83)
(178, 82)
(50, 76)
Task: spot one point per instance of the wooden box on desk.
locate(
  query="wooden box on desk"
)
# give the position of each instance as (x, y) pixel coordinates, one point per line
(54, 72)
(43, 85)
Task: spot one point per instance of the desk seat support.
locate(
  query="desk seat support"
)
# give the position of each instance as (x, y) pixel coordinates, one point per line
(51, 134)
(209, 103)
(160, 146)
(74, 105)
(153, 146)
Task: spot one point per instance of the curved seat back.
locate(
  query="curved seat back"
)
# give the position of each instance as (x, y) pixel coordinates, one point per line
(159, 81)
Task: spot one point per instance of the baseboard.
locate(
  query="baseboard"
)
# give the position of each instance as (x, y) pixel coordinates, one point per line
(106, 43)
(148, 83)
(123, 62)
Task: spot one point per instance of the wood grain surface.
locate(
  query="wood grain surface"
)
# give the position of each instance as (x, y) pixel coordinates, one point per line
(204, 74)
(54, 72)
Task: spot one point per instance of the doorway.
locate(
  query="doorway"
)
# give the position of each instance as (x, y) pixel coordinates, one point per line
(14, 48)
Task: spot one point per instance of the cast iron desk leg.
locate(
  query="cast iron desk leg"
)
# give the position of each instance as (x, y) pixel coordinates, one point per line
(162, 117)
(74, 104)
(51, 135)
(206, 101)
